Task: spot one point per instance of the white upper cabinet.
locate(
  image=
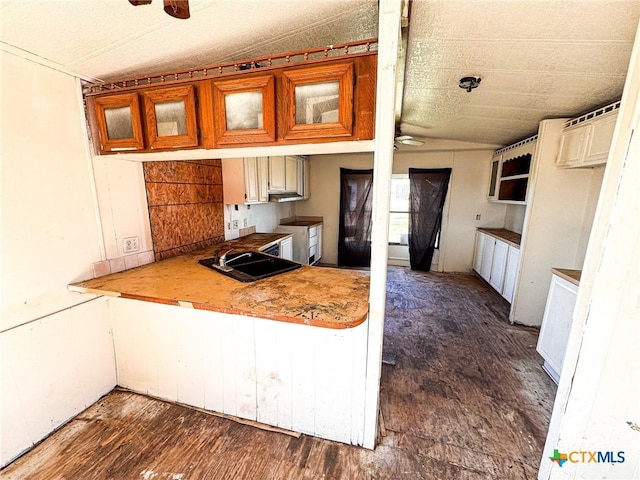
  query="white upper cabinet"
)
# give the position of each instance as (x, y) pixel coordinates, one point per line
(256, 179)
(244, 180)
(586, 140)
(283, 174)
(510, 170)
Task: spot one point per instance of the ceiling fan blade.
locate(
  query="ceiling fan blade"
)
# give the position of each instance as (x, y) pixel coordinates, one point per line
(402, 138)
(135, 3)
(410, 141)
(177, 8)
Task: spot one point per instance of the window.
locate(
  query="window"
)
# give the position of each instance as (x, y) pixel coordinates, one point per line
(399, 210)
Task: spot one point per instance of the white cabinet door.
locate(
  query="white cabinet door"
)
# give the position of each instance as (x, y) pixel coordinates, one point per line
(556, 324)
(511, 273)
(477, 253)
(302, 187)
(251, 183)
(277, 174)
(600, 139)
(498, 265)
(487, 257)
(263, 179)
(286, 248)
(572, 145)
(495, 177)
(291, 174)
(319, 242)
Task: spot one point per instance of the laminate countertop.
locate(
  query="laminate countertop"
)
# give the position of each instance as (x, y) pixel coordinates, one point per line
(507, 235)
(317, 296)
(571, 276)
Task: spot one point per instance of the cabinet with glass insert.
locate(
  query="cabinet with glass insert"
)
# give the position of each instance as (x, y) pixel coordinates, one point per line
(244, 110)
(159, 118)
(318, 102)
(118, 122)
(170, 116)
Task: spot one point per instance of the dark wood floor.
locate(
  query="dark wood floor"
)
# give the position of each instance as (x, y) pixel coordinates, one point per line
(467, 399)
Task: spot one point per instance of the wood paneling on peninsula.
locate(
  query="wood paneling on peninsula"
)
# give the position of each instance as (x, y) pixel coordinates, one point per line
(185, 205)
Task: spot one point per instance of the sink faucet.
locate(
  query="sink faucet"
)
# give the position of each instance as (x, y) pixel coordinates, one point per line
(222, 261)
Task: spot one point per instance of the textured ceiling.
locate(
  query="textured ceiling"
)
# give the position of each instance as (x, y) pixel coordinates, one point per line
(537, 59)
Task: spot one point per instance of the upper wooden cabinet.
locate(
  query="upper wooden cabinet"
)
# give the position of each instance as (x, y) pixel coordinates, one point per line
(244, 110)
(324, 100)
(118, 122)
(319, 101)
(170, 116)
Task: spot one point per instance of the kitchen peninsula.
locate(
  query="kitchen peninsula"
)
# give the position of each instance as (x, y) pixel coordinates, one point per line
(288, 350)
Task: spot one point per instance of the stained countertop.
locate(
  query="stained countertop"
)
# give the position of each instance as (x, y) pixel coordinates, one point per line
(317, 296)
(507, 235)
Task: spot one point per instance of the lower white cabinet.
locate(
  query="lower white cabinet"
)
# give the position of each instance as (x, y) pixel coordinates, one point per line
(511, 273)
(307, 242)
(498, 265)
(286, 248)
(556, 325)
(496, 261)
(487, 256)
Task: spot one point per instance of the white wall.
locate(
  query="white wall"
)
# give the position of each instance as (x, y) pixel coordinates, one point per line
(56, 355)
(51, 370)
(596, 407)
(514, 218)
(466, 198)
(559, 200)
(124, 213)
(264, 216)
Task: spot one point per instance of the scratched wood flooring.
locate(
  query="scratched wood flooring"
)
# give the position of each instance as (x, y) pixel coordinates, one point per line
(467, 399)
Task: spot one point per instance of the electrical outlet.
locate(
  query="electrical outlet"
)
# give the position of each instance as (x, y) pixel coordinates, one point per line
(235, 224)
(131, 244)
(478, 217)
(245, 223)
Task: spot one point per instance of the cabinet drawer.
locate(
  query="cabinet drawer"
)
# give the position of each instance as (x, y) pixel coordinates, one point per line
(313, 241)
(313, 253)
(313, 231)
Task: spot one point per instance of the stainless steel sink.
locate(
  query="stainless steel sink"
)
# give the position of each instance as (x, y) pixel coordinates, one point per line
(249, 266)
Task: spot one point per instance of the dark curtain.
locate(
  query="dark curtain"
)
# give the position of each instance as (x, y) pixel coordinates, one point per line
(427, 192)
(354, 232)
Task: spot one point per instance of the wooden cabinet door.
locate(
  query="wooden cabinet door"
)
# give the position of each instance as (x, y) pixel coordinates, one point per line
(170, 115)
(498, 265)
(118, 121)
(244, 110)
(319, 101)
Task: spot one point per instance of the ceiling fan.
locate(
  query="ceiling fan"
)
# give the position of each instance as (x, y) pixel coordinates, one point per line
(407, 140)
(175, 8)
